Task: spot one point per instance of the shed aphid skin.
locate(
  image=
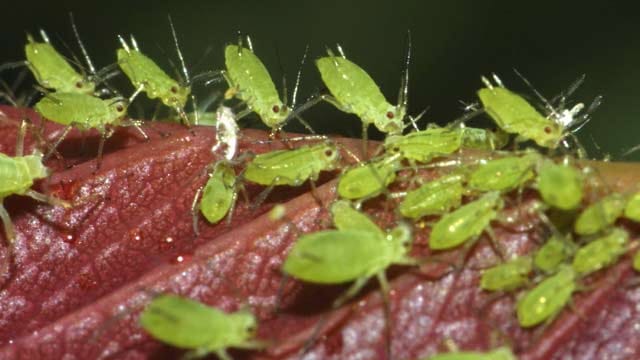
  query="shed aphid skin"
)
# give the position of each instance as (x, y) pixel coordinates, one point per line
(547, 299)
(600, 215)
(436, 197)
(600, 252)
(250, 82)
(632, 209)
(504, 174)
(50, 69)
(194, 326)
(555, 251)
(560, 185)
(370, 179)
(501, 353)
(356, 251)
(146, 76)
(507, 276)
(17, 175)
(424, 145)
(84, 112)
(465, 223)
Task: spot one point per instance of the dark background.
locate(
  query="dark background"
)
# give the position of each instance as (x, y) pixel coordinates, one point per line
(454, 42)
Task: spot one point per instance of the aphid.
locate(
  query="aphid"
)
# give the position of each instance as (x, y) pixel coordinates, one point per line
(560, 186)
(548, 297)
(501, 353)
(469, 221)
(600, 215)
(422, 146)
(632, 209)
(292, 167)
(250, 82)
(552, 254)
(507, 276)
(84, 112)
(51, 69)
(601, 252)
(191, 325)
(369, 179)
(436, 197)
(219, 193)
(146, 76)
(504, 174)
(356, 251)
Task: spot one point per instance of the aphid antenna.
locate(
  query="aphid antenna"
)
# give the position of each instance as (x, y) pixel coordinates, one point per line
(413, 121)
(124, 44)
(183, 65)
(552, 111)
(85, 54)
(564, 95)
(403, 92)
(460, 121)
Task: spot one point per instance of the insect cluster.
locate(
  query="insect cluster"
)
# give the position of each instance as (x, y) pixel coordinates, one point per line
(421, 176)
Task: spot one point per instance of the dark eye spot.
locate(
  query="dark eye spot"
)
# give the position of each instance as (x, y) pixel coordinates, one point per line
(390, 115)
(276, 108)
(328, 153)
(395, 149)
(79, 85)
(547, 129)
(120, 108)
(174, 89)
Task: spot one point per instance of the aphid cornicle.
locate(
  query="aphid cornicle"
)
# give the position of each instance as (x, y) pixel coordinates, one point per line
(548, 297)
(191, 325)
(146, 76)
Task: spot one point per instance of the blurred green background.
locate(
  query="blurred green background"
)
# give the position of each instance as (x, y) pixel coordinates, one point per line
(454, 43)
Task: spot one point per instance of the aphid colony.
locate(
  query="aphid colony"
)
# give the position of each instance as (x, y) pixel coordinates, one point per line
(463, 203)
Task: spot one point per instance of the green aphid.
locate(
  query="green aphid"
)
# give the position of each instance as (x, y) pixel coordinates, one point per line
(354, 252)
(422, 146)
(17, 175)
(465, 223)
(515, 115)
(548, 298)
(560, 186)
(250, 82)
(601, 252)
(632, 209)
(146, 76)
(501, 353)
(508, 276)
(368, 179)
(600, 215)
(219, 193)
(354, 91)
(292, 167)
(636, 261)
(552, 254)
(436, 197)
(483, 139)
(504, 174)
(191, 325)
(52, 70)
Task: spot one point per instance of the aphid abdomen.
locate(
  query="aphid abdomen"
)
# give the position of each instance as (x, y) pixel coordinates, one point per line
(81, 110)
(52, 71)
(15, 176)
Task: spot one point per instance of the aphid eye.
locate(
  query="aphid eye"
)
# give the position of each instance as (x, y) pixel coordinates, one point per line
(547, 129)
(276, 108)
(396, 149)
(328, 153)
(174, 89)
(390, 115)
(79, 85)
(119, 108)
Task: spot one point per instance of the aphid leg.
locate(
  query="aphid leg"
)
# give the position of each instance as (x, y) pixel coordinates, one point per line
(20, 138)
(60, 138)
(365, 140)
(384, 289)
(13, 65)
(222, 354)
(103, 138)
(47, 199)
(495, 244)
(194, 209)
(137, 125)
(8, 98)
(9, 230)
(314, 193)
